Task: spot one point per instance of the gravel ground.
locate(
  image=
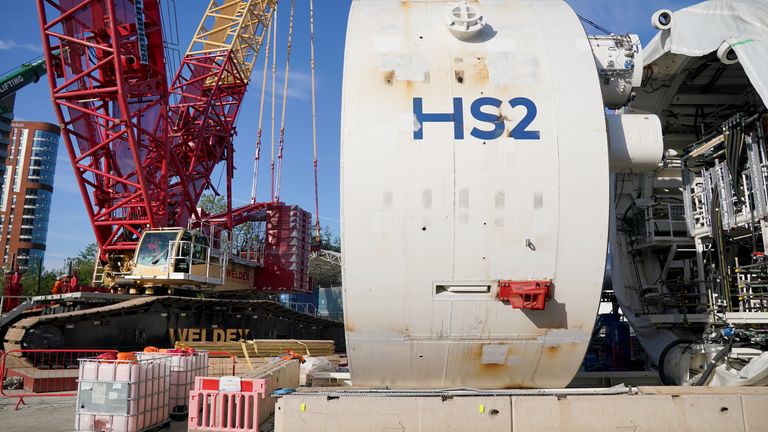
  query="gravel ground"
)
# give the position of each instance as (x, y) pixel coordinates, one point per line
(47, 414)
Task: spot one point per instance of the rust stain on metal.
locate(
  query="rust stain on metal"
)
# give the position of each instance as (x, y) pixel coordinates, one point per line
(476, 353)
(492, 367)
(409, 90)
(499, 372)
(560, 349)
(389, 78)
(348, 326)
(480, 72)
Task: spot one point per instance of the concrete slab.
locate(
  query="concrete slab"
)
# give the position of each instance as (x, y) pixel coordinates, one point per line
(755, 418)
(283, 374)
(656, 409)
(397, 414)
(628, 413)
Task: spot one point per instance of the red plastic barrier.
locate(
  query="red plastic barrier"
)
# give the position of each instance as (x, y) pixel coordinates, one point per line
(233, 408)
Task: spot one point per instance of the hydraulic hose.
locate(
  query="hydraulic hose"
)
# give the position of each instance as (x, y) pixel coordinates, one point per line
(710, 369)
(663, 358)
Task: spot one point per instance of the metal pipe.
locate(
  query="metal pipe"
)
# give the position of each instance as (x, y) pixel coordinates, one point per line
(464, 392)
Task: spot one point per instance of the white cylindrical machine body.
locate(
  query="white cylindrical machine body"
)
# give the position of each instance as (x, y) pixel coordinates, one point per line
(636, 142)
(442, 199)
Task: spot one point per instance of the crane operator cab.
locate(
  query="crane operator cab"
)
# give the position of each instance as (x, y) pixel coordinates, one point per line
(177, 258)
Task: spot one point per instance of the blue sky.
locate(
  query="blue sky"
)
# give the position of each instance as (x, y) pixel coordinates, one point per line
(70, 230)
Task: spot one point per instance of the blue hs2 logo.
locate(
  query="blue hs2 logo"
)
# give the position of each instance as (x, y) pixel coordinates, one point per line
(519, 132)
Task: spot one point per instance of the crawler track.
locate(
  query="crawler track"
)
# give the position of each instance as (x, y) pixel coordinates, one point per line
(129, 323)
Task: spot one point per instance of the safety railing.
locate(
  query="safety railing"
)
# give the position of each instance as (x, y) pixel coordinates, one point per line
(41, 373)
(187, 254)
(305, 308)
(246, 242)
(212, 232)
(665, 222)
(8, 303)
(335, 316)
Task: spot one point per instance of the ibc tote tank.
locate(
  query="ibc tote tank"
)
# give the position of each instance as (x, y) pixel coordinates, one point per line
(474, 151)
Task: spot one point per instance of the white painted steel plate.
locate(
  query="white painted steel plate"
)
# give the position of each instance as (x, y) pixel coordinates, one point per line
(440, 200)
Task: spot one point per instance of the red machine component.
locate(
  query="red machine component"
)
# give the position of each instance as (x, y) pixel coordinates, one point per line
(209, 86)
(143, 153)
(110, 96)
(531, 294)
(287, 244)
(140, 163)
(286, 251)
(13, 291)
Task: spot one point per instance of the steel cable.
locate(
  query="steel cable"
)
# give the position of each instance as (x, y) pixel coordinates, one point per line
(314, 116)
(257, 154)
(281, 144)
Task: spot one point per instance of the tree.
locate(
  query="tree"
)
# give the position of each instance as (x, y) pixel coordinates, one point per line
(328, 240)
(246, 237)
(83, 264)
(213, 204)
(30, 276)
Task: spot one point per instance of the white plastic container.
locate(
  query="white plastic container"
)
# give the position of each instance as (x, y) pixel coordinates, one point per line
(121, 396)
(184, 369)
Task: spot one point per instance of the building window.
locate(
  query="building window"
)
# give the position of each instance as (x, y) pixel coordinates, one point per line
(36, 164)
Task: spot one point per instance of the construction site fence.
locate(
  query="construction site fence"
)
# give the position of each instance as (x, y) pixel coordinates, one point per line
(53, 373)
(28, 373)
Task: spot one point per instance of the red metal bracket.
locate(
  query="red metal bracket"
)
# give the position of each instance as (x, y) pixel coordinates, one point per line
(532, 294)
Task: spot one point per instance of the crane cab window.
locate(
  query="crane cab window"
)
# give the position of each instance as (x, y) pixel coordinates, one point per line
(200, 250)
(154, 248)
(182, 264)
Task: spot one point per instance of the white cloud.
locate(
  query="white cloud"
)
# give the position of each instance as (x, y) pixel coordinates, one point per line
(10, 44)
(299, 85)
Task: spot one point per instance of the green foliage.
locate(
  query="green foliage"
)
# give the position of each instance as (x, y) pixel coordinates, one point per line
(83, 264)
(246, 233)
(213, 204)
(328, 240)
(31, 276)
(37, 281)
(244, 237)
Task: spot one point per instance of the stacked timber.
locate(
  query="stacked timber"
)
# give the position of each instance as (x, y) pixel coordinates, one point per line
(269, 347)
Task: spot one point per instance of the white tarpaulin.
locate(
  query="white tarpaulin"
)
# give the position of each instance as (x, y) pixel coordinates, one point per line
(701, 29)
(755, 373)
